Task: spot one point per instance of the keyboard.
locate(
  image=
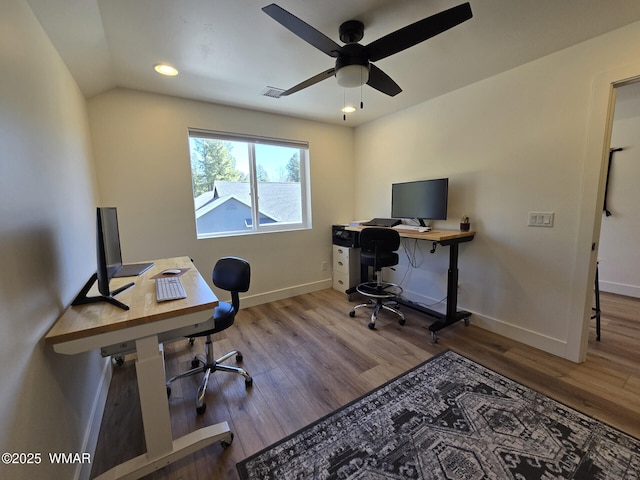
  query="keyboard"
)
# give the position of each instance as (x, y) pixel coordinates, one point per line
(413, 228)
(381, 222)
(169, 288)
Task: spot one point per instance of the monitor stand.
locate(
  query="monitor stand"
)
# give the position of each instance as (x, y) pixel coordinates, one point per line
(82, 299)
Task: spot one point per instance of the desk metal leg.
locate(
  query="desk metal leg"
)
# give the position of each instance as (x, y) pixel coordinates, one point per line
(161, 448)
(452, 314)
(452, 282)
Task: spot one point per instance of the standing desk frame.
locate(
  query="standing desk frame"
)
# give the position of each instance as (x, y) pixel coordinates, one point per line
(452, 239)
(93, 326)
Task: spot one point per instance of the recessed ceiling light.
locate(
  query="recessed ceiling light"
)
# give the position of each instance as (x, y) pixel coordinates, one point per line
(349, 109)
(164, 69)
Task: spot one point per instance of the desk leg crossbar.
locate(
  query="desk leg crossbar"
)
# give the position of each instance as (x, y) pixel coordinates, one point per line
(161, 448)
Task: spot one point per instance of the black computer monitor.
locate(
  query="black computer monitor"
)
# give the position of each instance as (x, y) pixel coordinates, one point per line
(420, 200)
(108, 251)
(109, 261)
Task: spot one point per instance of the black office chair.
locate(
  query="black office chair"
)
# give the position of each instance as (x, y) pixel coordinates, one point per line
(231, 274)
(378, 249)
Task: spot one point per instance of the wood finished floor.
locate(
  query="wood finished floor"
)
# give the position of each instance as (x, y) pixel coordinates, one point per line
(308, 357)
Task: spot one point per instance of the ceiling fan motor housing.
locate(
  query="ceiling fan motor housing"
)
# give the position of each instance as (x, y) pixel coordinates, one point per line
(352, 54)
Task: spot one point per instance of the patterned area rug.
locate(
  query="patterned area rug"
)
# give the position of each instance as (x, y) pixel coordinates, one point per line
(453, 419)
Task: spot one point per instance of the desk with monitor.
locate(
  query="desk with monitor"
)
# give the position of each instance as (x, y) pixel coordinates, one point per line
(452, 239)
(96, 325)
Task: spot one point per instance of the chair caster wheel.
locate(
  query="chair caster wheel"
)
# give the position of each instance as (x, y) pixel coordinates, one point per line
(248, 382)
(239, 358)
(202, 409)
(352, 314)
(372, 326)
(117, 361)
(226, 444)
(168, 392)
(195, 363)
(402, 321)
(192, 341)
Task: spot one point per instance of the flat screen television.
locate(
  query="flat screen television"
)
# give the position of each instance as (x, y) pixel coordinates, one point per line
(421, 200)
(109, 261)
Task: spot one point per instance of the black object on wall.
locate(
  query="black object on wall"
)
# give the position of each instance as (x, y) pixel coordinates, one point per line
(606, 187)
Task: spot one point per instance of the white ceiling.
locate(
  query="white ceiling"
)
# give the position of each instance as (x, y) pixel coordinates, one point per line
(228, 51)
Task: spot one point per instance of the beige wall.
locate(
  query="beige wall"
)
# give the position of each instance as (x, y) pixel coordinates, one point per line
(47, 230)
(142, 160)
(511, 144)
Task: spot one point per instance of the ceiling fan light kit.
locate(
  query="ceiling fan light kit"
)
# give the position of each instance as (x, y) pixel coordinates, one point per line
(351, 76)
(353, 65)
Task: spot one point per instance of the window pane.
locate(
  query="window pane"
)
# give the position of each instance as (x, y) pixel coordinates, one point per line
(279, 193)
(221, 188)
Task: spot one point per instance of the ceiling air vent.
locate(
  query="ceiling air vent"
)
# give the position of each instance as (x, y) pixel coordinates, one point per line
(272, 92)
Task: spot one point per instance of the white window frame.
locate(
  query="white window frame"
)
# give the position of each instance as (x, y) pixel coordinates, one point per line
(253, 140)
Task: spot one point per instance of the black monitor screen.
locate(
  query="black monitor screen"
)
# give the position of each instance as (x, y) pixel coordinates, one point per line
(421, 200)
(108, 247)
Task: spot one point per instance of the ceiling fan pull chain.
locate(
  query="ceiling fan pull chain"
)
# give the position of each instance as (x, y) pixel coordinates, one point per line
(344, 104)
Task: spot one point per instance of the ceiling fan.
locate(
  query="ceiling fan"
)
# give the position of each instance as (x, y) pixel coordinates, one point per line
(353, 66)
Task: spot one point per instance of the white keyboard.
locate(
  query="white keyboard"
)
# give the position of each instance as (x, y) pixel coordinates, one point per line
(413, 228)
(169, 288)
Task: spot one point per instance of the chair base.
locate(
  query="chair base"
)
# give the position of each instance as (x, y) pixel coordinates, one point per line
(207, 365)
(381, 295)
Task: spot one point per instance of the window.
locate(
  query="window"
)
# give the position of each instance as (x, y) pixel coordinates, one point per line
(247, 184)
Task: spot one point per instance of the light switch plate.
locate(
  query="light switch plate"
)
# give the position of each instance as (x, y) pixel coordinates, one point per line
(541, 219)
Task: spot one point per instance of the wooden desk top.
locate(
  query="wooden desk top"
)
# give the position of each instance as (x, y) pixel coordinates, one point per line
(84, 321)
(433, 235)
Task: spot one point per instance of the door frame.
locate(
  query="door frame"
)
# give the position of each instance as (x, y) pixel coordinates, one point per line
(598, 142)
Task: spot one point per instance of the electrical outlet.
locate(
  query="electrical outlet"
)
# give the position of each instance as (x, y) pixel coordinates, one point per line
(541, 219)
(324, 266)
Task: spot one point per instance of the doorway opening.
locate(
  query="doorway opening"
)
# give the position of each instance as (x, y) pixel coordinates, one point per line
(599, 135)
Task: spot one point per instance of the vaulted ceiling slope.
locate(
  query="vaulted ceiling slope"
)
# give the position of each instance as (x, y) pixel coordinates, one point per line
(228, 52)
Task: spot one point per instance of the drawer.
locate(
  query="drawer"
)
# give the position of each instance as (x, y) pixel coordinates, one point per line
(341, 266)
(341, 253)
(342, 282)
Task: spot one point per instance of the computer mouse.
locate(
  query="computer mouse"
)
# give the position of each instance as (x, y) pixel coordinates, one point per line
(171, 272)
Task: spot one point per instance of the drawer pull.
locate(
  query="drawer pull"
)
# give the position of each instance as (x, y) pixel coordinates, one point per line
(341, 264)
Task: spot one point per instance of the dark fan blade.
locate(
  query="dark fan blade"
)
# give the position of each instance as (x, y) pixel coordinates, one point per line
(418, 32)
(311, 81)
(305, 31)
(382, 82)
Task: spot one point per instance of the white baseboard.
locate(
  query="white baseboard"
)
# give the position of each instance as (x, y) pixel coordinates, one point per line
(83, 472)
(547, 344)
(288, 292)
(620, 289)
(501, 327)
